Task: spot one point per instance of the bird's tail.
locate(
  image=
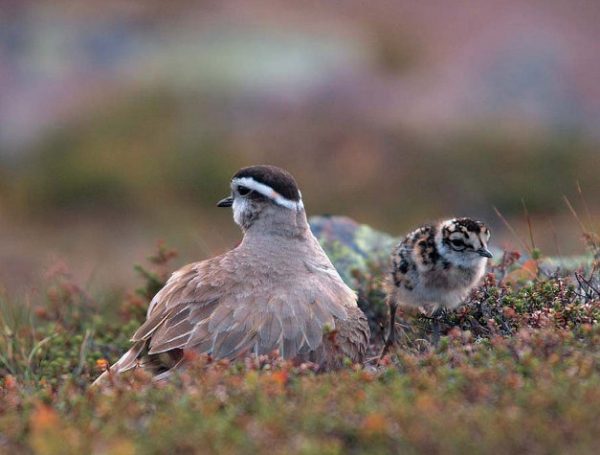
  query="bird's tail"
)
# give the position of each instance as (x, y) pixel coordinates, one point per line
(128, 361)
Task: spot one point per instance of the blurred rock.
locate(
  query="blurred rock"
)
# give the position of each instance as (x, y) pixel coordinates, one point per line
(352, 246)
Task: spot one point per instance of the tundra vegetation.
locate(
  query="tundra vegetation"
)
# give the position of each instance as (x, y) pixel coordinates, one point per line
(516, 371)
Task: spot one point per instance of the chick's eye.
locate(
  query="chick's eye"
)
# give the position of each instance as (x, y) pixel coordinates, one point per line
(457, 242)
(242, 190)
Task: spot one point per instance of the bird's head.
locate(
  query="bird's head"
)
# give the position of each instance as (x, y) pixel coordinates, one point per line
(464, 241)
(266, 196)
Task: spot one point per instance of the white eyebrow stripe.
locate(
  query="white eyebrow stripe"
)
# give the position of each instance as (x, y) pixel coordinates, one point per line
(269, 192)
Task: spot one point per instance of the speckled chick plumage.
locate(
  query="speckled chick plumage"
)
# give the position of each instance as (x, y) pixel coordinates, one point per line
(437, 265)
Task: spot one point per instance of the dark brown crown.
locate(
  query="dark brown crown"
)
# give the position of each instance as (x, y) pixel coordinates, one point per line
(274, 177)
(468, 224)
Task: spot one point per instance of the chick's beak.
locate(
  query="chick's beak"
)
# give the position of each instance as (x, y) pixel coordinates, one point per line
(227, 202)
(484, 252)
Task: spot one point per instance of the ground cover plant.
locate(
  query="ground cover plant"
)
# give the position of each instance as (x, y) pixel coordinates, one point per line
(517, 371)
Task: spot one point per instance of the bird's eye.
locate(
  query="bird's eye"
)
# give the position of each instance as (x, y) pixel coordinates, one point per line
(457, 243)
(243, 191)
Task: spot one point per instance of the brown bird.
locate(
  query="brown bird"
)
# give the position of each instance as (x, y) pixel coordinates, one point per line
(276, 291)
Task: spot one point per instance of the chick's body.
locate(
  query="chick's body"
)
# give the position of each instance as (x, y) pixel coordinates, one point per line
(436, 266)
(423, 275)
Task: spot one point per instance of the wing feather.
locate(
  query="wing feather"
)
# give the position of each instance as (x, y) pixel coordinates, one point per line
(291, 346)
(173, 343)
(231, 344)
(147, 328)
(209, 308)
(269, 335)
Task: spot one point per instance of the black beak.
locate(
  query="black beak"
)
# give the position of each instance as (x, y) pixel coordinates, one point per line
(227, 202)
(484, 252)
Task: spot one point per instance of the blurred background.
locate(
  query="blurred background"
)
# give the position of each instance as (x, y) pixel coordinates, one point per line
(121, 122)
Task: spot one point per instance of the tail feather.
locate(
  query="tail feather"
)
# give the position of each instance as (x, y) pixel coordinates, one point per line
(126, 362)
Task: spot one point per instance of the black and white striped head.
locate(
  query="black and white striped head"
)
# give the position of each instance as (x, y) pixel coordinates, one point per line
(463, 241)
(256, 187)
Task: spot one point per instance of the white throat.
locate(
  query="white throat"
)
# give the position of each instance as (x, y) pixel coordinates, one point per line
(240, 207)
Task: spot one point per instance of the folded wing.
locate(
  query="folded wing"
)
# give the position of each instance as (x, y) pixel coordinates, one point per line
(216, 313)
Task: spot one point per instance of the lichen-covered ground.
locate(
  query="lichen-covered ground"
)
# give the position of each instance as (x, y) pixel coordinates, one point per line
(517, 371)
